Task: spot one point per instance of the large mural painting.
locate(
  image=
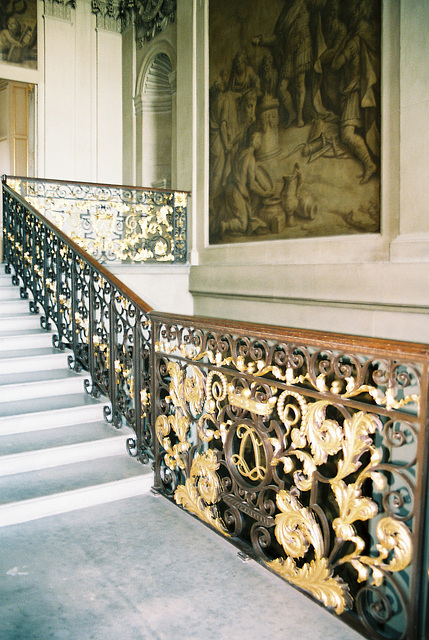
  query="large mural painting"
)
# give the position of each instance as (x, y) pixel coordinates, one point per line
(294, 119)
(18, 32)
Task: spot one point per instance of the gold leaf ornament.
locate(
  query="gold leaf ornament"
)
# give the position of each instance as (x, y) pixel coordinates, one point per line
(324, 436)
(296, 528)
(316, 578)
(201, 490)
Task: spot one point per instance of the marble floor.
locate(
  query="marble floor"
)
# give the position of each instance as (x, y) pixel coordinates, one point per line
(142, 569)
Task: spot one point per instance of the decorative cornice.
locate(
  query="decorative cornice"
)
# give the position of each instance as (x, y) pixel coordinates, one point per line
(60, 9)
(108, 14)
(152, 17)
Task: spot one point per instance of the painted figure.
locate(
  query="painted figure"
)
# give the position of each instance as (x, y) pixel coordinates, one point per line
(291, 45)
(239, 217)
(359, 65)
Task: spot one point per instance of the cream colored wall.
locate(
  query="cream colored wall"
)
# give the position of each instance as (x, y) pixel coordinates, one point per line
(78, 96)
(375, 285)
(163, 287)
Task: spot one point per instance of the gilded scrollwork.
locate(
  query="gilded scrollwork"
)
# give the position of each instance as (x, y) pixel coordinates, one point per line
(293, 463)
(114, 223)
(93, 318)
(385, 383)
(201, 490)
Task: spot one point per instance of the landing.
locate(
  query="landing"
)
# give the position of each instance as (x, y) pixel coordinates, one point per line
(141, 569)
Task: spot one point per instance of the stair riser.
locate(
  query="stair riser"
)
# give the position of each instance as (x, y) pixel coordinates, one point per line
(30, 341)
(8, 307)
(39, 363)
(29, 510)
(59, 456)
(16, 323)
(26, 423)
(9, 293)
(44, 389)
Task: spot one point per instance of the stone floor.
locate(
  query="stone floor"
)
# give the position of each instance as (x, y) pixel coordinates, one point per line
(141, 569)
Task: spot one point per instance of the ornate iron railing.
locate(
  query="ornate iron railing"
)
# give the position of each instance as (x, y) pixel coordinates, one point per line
(307, 450)
(310, 450)
(113, 223)
(104, 323)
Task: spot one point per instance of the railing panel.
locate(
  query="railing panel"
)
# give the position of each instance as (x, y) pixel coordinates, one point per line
(113, 223)
(105, 326)
(309, 450)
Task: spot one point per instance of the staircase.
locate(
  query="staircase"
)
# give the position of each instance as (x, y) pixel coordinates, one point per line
(57, 453)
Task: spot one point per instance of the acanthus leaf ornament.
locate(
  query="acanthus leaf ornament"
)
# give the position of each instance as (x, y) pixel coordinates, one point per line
(201, 490)
(303, 454)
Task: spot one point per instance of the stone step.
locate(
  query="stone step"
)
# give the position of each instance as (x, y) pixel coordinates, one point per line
(47, 458)
(25, 339)
(17, 512)
(53, 383)
(19, 321)
(43, 359)
(49, 413)
(60, 436)
(9, 293)
(8, 307)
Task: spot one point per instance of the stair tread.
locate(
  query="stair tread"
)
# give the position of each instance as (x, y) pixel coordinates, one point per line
(24, 315)
(36, 332)
(60, 436)
(28, 377)
(46, 404)
(16, 302)
(70, 477)
(36, 352)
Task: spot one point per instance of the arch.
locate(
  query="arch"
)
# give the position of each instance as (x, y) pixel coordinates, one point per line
(164, 48)
(155, 108)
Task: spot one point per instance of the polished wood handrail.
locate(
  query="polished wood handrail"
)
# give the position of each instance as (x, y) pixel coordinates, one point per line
(93, 184)
(375, 346)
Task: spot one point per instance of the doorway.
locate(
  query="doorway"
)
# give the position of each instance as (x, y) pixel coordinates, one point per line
(17, 128)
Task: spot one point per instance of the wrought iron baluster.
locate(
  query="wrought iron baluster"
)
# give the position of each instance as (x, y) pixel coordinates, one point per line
(112, 414)
(6, 230)
(23, 292)
(34, 278)
(44, 320)
(137, 451)
(73, 360)
(90, 385)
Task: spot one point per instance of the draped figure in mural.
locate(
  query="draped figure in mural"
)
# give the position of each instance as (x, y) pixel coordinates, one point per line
(291, 45)
(239, 216)
(360, 66)
(9, 9)
(310, 87)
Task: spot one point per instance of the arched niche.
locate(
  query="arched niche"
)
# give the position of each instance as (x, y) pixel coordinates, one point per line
(155, 106)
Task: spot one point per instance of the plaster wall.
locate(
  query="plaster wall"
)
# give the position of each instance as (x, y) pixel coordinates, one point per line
(78, 105)
(163, 287)
(372, 284)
